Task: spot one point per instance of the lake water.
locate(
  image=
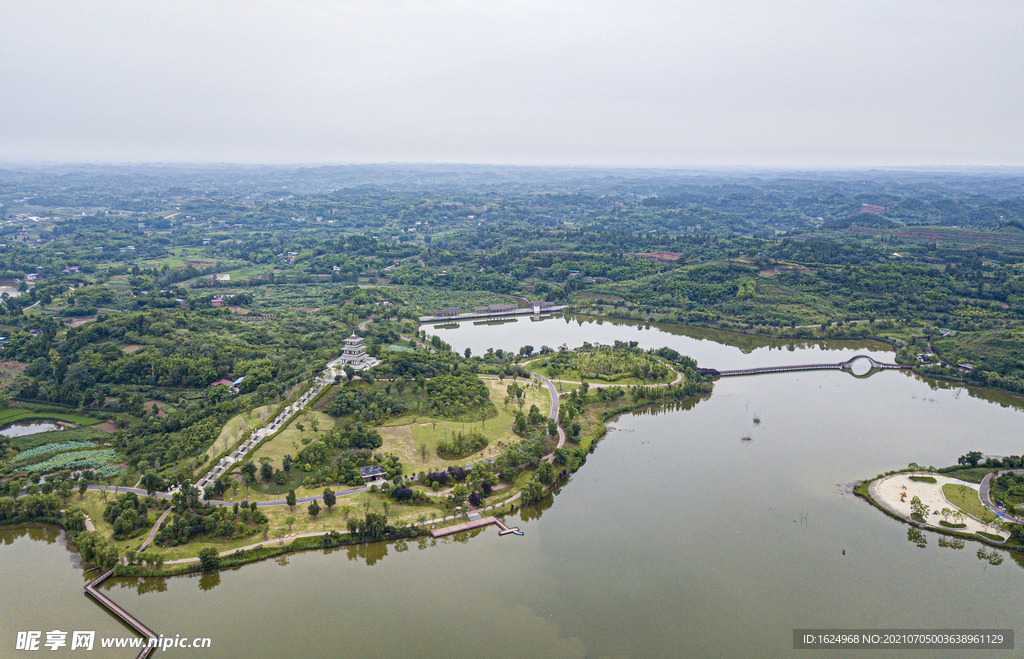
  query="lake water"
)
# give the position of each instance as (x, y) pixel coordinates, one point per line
(42, 589)
(676, 539)
(11, 290)
(27, 428)
(711, 349)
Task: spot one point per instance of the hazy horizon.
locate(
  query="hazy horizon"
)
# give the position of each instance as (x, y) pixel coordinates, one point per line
(649, 84)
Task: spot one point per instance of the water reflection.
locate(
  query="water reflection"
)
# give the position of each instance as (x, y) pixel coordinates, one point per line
(993, 557)
(369, 552)
(658, 409)
(952, 543)
(151, 585)
(538, 508)
(40, 532)
(209, 580)
(1001, 398)
(711, 348)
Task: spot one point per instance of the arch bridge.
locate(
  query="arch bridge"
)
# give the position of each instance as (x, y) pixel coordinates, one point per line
(844, 365)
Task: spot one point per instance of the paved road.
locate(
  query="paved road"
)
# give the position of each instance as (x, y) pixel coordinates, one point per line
(156, 527)
(983, 492)
(554, 410)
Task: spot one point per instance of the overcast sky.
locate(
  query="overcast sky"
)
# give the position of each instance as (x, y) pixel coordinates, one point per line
(640, 82)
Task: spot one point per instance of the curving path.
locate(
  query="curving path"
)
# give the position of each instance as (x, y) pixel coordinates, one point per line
(156, 527)
(986, 486)
(554, 410)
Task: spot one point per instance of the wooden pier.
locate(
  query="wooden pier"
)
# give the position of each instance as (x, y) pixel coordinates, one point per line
(128, 618)
(475, 524)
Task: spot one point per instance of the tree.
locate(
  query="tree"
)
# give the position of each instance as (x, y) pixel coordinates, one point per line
(208, 559)
(289, 520)
(552, 428)
(266, 471)
(971, 458)
(286, 462)
(329, 498)
(64, 490)
(249, 472)
(151, 482)
(532, 491)
(468, 353)
(314, 509)
(423, 451)
(918, 508)
(375, 526)
(546, 473)
(290, 499)
(83, 485)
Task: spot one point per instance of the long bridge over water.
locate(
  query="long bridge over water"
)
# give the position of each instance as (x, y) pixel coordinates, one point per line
(148, 645)
(846, 365)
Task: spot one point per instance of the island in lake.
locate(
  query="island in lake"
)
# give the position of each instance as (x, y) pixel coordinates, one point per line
(978, 498)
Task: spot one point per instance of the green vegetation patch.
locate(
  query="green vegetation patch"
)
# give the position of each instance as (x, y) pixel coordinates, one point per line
(949, 525)
(966, 499)
(34, 440)
(52, 447)
(991, 536)
(923, 479)
(621, 363)
(460, 396)
(75, 460)
(973, 475)
(13, 414)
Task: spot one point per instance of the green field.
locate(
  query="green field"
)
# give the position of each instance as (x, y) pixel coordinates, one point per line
(236, 428)
(966, 499)
(14, 414)
(405, 435)
(26, 442)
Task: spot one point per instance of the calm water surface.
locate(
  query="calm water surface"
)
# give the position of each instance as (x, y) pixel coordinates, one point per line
(27, 428)
(676, 539)
(711, 348)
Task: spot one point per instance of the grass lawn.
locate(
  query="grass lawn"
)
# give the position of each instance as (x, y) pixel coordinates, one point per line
(404, 436)
(973, 475)
(94, 505)
(289, 440)
(354, 506)
(966, 500)
(191, 550)
(573, 376)
(234, 429)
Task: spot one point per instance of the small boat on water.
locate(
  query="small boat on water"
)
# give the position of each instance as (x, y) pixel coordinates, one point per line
(746, 438)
